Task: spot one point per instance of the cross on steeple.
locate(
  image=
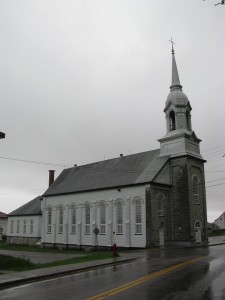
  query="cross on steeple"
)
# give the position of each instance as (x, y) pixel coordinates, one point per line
(172, 42)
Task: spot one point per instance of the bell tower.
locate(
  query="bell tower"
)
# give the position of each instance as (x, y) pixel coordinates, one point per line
(188, 219)
(180, 139)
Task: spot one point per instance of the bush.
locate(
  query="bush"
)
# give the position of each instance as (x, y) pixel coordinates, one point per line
(4, 237)
(14, 263)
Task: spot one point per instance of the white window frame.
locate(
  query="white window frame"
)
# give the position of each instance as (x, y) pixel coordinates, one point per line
(138, 216)
(49, 219)
(60, 218)
(196, 189)
(24, 226)
(17, 226)
(73, 215)
(102, 216)
(87, 217)
(119, 217)
(11, 226)
(31, 226)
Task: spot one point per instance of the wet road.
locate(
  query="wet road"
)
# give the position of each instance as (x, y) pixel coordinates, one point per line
(197, 273)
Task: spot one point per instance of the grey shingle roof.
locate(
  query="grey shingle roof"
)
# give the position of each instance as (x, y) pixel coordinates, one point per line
(122, 171)
(33, 207)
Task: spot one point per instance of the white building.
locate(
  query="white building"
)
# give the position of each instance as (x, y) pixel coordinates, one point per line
(24, 223)
(3, 224)
(152, 198)
(220, 222)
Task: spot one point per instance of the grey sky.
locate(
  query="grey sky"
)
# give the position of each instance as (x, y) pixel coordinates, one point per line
(82, 81)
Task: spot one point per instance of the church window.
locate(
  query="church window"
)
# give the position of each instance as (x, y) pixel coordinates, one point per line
(24, 226)
(87, 219)
(198, 224)
(119, 217)
(172, 121)
(73, 220)
(49, 220)
(195, 189)
(31, 226)
(102, 217)
(138, 217)
(11, 226)
(188, 118)
(17, 226)
(60, 228)
(161, 205)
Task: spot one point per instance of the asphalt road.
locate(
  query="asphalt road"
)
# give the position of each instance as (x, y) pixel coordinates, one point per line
(197, 273)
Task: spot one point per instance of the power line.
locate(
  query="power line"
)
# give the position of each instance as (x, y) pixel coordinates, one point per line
(208, 150)
(35, 162)
(214, 185)
(215, 180)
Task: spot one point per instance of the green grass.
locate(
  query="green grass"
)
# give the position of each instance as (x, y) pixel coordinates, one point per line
(222, 233)
(17, 247)
(19, 264)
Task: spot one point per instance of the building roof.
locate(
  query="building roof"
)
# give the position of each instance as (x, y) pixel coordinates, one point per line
(221, 216)
(121, 171)
(3, 215)
(33, 207)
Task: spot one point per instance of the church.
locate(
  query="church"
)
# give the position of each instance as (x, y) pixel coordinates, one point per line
(153, 198)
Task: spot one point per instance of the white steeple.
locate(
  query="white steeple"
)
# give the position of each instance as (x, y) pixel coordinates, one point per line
(179, 138)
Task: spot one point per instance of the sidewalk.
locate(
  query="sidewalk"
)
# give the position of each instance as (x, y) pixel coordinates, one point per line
(9, 279)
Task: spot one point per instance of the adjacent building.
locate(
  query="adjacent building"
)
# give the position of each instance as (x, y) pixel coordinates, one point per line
(220, 222)
(24, 223)
(3, 224)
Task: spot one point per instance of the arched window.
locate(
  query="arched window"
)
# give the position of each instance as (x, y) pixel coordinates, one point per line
(87, 218)
(138, 216)
(17, 226)
(102, 209)
(119, 217)
(172, 121)
(73, 219)
(188, 120)
(60, 228)
(195, 189)
(160, 205)
(198, 224)
(49, 219)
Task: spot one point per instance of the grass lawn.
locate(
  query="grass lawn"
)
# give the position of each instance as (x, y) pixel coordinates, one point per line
(217, 233)
(17, 247)
(18, 264)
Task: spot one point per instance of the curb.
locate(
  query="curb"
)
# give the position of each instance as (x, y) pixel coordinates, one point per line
(56, 274)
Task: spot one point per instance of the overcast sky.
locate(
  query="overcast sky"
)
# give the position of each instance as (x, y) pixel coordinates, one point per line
(85, 80)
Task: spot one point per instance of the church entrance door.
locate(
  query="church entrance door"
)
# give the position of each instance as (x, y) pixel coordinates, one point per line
(198, 236)
(198, 231)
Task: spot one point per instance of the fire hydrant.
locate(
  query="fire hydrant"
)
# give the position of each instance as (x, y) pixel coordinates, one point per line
(114, 249)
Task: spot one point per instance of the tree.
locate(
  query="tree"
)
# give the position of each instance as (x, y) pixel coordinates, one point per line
(222, 2)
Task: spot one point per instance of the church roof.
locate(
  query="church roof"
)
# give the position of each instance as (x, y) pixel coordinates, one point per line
(122, 171)
(33, 207)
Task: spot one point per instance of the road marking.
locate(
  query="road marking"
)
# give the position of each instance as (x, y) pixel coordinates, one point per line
(143, 279)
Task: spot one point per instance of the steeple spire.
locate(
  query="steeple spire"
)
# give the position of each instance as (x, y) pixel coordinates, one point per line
(175, 84)
(180, 139)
